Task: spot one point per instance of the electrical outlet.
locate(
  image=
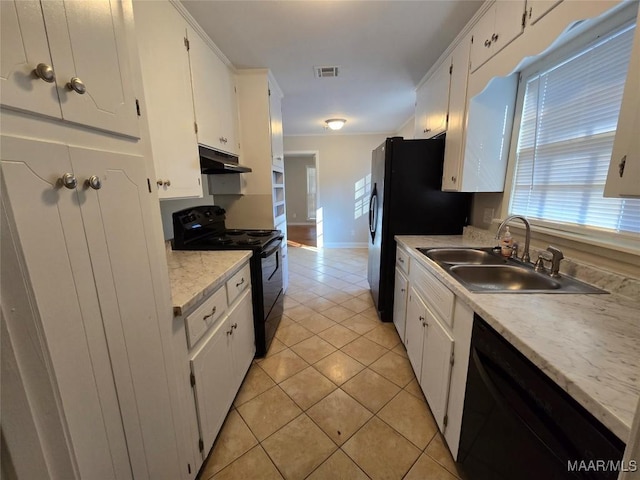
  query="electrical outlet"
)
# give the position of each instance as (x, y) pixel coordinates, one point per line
(488, 215)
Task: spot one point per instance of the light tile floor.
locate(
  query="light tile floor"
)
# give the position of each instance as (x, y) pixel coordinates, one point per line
(335, 397)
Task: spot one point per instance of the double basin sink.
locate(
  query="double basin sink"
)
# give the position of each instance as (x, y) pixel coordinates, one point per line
(485, 270)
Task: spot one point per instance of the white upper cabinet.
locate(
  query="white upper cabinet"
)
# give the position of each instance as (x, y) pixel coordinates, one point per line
(214, 96)
(454, 142)
(432, 103)
(162, 34)
(499, 26)
(275, 124)
(624, 170)
(80, 50)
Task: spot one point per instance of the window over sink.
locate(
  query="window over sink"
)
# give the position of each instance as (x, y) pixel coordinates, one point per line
(569, 103)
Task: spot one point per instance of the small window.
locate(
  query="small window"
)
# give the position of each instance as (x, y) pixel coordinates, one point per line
(569, 117)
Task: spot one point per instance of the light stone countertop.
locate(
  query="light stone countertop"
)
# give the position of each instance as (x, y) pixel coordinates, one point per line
(194, 275)
(588, 344)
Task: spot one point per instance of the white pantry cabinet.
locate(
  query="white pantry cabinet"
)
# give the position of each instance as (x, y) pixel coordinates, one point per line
(214, 96)
(432, 103)
(623, 178)
(92, 302)
(162, 44)
(78, 50)
(499, 26)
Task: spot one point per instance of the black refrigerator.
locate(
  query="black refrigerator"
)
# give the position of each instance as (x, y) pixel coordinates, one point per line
(406, 178)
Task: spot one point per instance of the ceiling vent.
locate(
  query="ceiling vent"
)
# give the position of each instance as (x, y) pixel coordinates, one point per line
(323, 72)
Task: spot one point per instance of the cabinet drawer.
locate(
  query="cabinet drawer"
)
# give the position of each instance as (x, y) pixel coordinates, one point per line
(438, 297)
(237, 283)
(402, 260)
(205, 316)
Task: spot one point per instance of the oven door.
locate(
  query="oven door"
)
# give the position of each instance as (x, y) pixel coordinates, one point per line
(272, 298)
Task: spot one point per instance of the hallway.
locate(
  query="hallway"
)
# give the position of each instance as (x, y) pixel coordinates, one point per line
(335, 397)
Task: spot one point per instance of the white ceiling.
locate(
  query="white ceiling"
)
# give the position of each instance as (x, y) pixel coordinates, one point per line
(383, 49)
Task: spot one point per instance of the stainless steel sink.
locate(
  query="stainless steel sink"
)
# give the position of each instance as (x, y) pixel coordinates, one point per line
(463, 256)
(502, 277)
(484, 270)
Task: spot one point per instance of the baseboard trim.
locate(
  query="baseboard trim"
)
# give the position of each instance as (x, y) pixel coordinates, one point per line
(345, 245)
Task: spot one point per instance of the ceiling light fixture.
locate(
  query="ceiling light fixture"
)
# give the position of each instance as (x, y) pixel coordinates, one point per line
(335, 123)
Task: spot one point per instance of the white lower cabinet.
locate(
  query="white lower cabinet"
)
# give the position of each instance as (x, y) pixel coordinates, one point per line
(437, 359)
(400, 295)
(218, 363)
(437, 336)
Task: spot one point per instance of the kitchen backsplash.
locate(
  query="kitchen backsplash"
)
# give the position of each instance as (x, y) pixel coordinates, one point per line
(610, 281)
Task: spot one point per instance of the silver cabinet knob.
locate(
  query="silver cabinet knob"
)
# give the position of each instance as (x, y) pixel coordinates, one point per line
(45, 72)
(453, 179)
(77, 86)
(93, 182)
(68, 180)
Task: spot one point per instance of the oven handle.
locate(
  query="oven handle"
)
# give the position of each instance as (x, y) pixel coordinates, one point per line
(268, 253)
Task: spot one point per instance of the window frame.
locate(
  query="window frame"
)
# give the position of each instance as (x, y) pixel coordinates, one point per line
(620, 241)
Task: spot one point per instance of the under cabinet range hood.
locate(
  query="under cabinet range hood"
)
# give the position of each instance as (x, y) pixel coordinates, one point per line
(215, 162)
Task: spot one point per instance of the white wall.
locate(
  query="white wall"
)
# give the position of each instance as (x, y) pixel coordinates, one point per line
(342, 161)
(407, 131)
(295, 177)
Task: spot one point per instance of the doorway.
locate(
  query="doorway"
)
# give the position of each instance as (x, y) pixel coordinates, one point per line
(301, 190)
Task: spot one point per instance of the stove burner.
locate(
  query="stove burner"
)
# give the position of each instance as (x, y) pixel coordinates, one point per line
(248, 241)
(220, 241)
(260, 233)
(234, 232)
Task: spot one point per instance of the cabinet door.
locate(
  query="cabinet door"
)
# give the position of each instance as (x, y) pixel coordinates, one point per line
(400, 303)
(414, 336)
(161, 33)
(243, 338)
(624, 170)
(433, 103)
(213, 96)
(275, 126)
(88, 42)
(116, 215)
(49, 230)
(481, 38)
(457, 115)
(536, 9)
(509, 23)
(212, 369)
(436, 368)
(24, 46)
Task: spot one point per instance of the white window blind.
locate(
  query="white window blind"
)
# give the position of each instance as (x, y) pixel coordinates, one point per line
(569, 118)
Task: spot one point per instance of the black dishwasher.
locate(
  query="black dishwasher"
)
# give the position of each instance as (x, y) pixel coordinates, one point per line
(518, 424)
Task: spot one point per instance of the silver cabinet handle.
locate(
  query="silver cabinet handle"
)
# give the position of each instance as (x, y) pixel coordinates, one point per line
(223, 140)
(621, 165)
(240, 283)
(487, 43)
(494, 37)
(77, 86)
(426, 130)
(234, 326)
(401, 260)
(68, 180)
(167, 183)
(93, 182)
(159, 182)
(213, 311)
(45, 72)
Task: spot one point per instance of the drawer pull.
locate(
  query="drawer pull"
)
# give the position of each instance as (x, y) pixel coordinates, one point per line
(240, 283)
(213, 311)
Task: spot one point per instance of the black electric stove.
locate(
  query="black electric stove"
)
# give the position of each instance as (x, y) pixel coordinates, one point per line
(203, 228)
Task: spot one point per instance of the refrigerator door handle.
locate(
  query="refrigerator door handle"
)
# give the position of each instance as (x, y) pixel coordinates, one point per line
(373, 208)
